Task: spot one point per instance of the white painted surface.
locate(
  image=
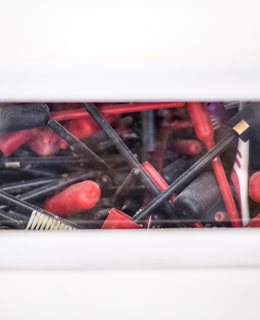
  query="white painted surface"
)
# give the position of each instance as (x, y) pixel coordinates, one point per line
(128, 50)
(179, 294)
(140, 249)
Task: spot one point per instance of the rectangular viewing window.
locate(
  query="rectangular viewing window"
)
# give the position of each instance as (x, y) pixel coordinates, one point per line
(129, 165)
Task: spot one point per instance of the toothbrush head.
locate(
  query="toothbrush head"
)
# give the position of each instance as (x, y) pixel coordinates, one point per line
(216, 113)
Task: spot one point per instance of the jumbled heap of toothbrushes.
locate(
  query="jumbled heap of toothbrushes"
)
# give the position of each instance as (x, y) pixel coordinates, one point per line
(68, 166)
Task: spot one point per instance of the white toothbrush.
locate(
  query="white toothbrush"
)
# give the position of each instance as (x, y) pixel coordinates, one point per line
(239, 176)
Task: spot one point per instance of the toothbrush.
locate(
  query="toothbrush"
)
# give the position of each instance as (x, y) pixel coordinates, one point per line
(239, 176)
(37, 115)
(37, 218)
(244, 124)
(216, 111)
(204, 131)
(115, 109)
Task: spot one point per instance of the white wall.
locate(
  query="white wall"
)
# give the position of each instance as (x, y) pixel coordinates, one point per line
(127, 50)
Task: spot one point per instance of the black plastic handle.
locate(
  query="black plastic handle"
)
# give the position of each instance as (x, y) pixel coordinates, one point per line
(23, 117)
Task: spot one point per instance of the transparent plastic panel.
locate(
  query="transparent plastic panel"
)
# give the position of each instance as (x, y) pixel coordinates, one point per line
(129, 165)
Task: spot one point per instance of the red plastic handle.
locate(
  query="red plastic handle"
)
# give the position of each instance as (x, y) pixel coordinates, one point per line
(74, 199)
(190, 147)
(115, 109)
(254, 187)
(201, 123)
